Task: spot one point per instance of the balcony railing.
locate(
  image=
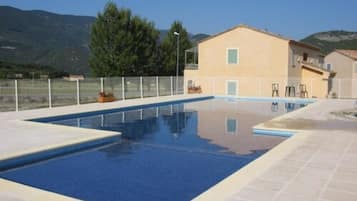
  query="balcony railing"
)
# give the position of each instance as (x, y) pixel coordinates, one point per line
(191, 59)
(191, 67)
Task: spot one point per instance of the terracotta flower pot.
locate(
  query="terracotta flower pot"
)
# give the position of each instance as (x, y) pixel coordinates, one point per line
(194, 90)
(104, 99)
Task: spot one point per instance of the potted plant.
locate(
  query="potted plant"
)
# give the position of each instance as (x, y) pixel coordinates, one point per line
(193, 89)
(106, 97)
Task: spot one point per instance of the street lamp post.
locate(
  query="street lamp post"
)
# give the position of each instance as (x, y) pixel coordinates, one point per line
(177, 59)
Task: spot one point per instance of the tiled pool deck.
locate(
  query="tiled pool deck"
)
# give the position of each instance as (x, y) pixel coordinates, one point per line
(318, 163)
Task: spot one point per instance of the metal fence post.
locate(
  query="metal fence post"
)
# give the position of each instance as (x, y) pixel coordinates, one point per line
(339, 88)
(141, 87)
(176, 85)
(172, 92)
(49, 94)
(78, 97)
(101, 84)
(123, 88)
(184, 85)
(157, 86)
(16, 97)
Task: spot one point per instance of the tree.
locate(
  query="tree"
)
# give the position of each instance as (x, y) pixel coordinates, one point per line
(169, 49)
(122, 44)
(144, 47)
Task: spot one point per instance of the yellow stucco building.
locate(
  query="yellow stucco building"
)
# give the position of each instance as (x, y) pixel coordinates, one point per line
(245, 61)
(344, 63)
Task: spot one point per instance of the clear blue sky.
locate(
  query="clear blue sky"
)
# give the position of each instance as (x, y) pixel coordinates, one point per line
(294, 19)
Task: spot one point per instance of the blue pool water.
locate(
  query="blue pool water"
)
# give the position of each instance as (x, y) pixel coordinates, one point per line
(169, 152)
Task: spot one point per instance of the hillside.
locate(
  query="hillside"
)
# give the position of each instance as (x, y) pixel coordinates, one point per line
(197, 37)
(9, 70)
(45, 38)
(40, 37)
(331, 40)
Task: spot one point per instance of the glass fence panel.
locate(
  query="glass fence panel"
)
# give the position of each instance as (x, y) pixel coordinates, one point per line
(164, 86)
(179, 82)
(132, 87)
(149, 86)
(63, 92)
(114, 85)
(32, 94)
(7, 95)
(89, 90)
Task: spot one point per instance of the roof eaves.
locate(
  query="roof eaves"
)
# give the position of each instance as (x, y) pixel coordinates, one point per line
(248, 27)
(218, 34)
(316, 68)
(346, 55)
(301, 44)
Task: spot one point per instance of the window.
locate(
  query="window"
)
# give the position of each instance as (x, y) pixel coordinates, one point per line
(329, 67)
(233, 56)
(231, 126)
(305, 56)
(232, 88)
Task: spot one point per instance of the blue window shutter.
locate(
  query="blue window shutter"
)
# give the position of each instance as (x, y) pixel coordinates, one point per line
(232, 56)
(231, 125)
(231, 88)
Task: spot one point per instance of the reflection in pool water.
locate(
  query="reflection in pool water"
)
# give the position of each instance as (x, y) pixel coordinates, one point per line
(172, 152)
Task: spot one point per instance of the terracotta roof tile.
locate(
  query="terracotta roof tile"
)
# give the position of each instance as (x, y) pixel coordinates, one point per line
(349, 53)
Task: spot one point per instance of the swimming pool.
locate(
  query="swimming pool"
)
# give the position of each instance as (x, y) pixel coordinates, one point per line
(166, 152)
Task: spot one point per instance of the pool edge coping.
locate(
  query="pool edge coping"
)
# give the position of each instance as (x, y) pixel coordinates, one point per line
(11, 190)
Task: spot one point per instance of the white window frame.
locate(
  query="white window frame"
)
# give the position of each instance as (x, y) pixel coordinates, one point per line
(355, 67)
(238, 55)
(237, 85)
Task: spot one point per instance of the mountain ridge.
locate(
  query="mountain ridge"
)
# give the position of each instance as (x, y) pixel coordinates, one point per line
(328, 41)
(46, 38)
